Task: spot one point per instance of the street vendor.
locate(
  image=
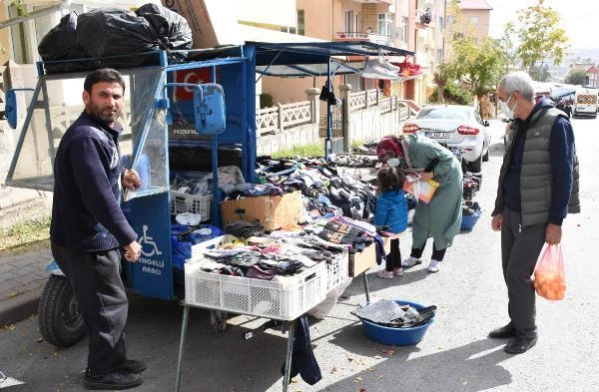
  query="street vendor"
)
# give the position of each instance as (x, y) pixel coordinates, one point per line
(441, 217)
(88, 228)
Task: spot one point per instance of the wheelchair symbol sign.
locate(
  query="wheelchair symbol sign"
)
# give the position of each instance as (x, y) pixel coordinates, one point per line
(148, 242)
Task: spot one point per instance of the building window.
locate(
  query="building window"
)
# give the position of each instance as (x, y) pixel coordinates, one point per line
(290, 30)
(358, 25)
(385, 24)
(440, 23)
(473, 20)
(450, 19)
(439, 56)
(301, 26)
(349, 21)
(404, 30)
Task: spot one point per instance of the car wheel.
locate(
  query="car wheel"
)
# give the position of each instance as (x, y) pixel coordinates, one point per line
(476, 166)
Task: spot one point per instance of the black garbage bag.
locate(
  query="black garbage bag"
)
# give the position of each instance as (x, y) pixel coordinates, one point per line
(60, 44)
(171, 28)
(116, 32)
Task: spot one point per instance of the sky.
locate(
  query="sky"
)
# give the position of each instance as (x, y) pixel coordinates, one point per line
(580, 18)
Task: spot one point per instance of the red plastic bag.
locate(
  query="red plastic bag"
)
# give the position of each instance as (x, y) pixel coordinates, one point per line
(549, 277)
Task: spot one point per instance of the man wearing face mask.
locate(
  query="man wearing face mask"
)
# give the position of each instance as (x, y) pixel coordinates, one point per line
(538, 187)
(442, 216)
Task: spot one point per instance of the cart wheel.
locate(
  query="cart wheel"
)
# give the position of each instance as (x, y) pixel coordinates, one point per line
(59, 319)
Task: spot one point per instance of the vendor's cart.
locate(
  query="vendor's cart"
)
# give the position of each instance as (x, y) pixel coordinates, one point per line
(170, 105)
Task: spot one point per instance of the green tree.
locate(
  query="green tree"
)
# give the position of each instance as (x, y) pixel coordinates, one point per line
(508, 47)
(479, 65)
(540, 74)
(577, 77)
(541, 39)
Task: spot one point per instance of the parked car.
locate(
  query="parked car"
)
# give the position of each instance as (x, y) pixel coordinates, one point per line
(455, 126)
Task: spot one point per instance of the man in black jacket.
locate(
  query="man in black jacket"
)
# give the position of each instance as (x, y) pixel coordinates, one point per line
(88, 228)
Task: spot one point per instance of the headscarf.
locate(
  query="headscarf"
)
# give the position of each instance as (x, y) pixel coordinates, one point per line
(389, 146)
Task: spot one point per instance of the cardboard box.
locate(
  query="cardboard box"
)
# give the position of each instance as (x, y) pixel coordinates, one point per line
(213, 22)
(273, 212)
(360, 262)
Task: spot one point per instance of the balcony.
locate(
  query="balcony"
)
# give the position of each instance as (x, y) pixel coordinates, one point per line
(345, 36)
(424, 17)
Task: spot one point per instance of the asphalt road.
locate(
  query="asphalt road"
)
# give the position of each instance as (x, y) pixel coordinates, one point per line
(455, 354)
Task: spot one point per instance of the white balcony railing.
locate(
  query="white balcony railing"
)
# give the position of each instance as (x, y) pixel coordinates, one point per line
(359, 36)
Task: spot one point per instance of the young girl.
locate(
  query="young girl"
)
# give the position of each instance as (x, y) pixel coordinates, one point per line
(391, 215)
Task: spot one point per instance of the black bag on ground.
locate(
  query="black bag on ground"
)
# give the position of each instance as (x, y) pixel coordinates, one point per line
(171, 28)
(116, 32)
(60, 43)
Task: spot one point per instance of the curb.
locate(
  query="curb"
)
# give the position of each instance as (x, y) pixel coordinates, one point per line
(20, 307)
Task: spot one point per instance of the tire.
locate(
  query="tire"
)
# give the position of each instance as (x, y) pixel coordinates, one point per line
(476, 166)
(59, 319)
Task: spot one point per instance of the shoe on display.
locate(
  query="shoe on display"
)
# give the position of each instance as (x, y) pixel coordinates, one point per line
(111, 381)
(378, 72)
(387, 65)
(410, 262)
(433, 266)
(385, 274)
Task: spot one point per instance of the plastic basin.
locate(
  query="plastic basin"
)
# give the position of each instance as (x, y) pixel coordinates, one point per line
(468, 221)
(396, 336)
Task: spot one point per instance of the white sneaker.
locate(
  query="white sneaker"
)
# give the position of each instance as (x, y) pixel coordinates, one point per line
(387, 65)
(410, 262)
(378, 72)
(433, 266)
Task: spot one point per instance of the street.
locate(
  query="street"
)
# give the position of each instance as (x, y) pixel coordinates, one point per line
(455, 354)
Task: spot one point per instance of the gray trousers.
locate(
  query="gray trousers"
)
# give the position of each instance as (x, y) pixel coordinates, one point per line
(96, 282)
(520, 249)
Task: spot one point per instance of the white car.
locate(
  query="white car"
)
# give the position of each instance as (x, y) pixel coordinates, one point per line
(455, 126)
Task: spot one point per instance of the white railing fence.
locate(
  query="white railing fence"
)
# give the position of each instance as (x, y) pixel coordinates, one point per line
(276, 119)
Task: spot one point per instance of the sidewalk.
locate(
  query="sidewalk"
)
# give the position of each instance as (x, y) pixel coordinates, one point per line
(22, 278)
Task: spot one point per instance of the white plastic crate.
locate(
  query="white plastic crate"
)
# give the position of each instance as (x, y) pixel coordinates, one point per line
(338, 270)
(183, 202)
(284, 298)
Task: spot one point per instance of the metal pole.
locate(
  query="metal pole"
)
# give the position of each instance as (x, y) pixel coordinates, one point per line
(181, 346)
(35, 14)
(366, 290)
(287, 375)
(327, 143)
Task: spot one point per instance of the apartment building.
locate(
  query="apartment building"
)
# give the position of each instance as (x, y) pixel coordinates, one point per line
(476, 14)
(414, 25)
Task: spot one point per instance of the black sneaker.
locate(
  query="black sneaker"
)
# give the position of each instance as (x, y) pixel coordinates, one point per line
(111, 381)
(133, 366)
